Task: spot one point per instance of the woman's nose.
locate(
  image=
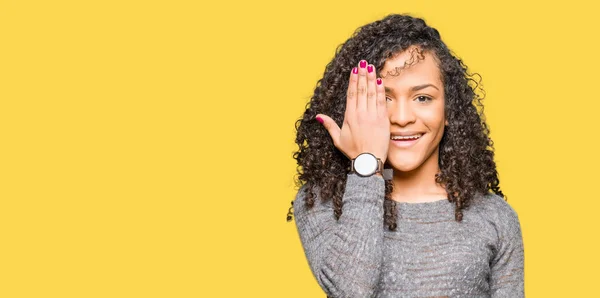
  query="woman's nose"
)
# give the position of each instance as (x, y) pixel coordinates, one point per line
(401, 113)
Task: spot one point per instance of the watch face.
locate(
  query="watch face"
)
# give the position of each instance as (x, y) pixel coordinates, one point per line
(365, 164)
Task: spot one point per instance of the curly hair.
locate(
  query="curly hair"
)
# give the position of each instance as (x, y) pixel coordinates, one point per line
(466, 156)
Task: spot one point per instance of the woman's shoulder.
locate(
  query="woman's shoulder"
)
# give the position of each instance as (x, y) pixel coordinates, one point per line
(496, 210)
(492, 203)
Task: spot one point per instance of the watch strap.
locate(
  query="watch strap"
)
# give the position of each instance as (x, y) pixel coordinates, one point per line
(388, 174)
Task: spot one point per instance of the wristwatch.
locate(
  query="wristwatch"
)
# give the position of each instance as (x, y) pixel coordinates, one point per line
(366, 165)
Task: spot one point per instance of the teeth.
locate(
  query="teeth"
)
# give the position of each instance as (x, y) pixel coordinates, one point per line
(406, 137)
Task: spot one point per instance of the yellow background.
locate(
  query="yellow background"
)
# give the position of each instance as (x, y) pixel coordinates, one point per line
(146, 146)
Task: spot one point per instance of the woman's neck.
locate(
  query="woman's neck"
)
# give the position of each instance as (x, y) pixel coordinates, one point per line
(419, 184)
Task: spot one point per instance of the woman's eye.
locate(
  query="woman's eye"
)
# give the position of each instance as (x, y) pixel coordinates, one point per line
(426, 98)
(421, 98)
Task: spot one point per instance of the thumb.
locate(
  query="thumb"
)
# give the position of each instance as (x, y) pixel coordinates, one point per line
(331, 126)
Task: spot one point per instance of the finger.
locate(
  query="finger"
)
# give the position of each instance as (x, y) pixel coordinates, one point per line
(381, 100)
(331, 127)
(361, 104)
(371, 90)
(351, 95)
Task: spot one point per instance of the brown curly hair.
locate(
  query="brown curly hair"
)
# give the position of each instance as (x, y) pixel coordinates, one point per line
(466, 158)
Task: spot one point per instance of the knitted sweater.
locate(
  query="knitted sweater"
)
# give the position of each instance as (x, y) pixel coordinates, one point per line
(429, 255)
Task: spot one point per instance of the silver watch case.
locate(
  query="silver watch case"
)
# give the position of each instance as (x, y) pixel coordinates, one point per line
(366, 164)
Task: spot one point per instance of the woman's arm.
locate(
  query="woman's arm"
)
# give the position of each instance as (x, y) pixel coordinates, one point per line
(507, 266)
(345, 255)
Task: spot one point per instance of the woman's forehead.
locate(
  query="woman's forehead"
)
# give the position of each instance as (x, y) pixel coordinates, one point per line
(411, 65)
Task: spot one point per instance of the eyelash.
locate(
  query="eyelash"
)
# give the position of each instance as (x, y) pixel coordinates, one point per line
(427, 97)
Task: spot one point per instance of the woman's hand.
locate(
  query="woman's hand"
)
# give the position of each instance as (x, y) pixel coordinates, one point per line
(366, 126)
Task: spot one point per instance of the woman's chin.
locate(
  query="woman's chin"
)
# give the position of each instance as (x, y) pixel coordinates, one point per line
(403, 166)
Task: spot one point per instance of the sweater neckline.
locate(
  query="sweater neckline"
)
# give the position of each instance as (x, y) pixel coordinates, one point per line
(438, 205)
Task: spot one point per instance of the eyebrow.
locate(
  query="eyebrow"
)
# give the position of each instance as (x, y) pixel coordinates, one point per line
(414, 88)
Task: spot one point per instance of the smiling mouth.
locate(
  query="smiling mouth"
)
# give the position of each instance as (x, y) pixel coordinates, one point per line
(407, 138)
(405, 141)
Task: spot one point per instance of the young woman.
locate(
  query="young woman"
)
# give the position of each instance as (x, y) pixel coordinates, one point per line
(395, 97)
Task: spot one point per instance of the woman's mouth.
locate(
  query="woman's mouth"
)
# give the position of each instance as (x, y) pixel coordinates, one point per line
(405, 141)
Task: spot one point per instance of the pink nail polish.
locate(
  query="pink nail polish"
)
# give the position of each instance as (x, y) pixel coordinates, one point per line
(363, 63)
(319, 119)
(370, 68)
(355, 70)
(378, 81)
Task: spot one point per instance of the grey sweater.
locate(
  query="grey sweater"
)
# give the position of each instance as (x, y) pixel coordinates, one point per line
(429, 255)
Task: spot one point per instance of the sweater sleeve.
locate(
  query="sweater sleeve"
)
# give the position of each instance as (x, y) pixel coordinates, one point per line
(345, 255)
(507, 265)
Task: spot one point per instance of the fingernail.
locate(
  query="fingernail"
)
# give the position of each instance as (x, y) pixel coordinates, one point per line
(355, 70)
(319, 119)
(370, 68)
(378, 81)
(363, 63)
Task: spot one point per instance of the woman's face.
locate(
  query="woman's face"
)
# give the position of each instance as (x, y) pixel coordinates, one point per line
(415, 105)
